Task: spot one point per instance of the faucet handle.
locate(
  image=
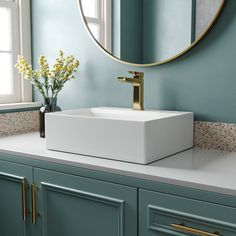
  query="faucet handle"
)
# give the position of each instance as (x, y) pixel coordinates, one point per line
(136, 74)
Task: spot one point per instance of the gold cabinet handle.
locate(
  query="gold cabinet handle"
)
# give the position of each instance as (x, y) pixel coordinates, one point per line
(182, 227)
(24, 187)
(33, 203)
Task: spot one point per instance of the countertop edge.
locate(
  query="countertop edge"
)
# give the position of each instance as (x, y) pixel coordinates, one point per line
(134, 174)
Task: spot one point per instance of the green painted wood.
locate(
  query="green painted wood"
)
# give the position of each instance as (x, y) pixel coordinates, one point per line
(62, 195)
(197, 194)
(72, 205)
(157, 211)
(11, 220)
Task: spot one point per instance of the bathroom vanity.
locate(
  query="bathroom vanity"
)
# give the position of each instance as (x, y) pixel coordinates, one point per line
(53, 193)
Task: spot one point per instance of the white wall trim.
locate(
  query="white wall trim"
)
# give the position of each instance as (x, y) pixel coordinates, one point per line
(25, 45)
(23, 105)
(21, 44)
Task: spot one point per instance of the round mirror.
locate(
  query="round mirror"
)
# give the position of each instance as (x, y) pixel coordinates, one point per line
(148, 32)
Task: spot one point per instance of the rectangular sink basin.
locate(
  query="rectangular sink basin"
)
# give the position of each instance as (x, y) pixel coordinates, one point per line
(120, 134)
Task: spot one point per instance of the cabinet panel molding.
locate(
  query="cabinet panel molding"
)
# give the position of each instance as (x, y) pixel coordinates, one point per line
(13, 200)
(160, 219)
(119, 204)
(74, 205)
(10, 177)
(165, 214)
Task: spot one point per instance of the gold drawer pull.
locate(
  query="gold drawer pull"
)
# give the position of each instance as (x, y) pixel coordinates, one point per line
(24, 187)
(182, 227)
(33, 203)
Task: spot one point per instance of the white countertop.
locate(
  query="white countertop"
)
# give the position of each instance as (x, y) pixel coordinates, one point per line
(201, 169)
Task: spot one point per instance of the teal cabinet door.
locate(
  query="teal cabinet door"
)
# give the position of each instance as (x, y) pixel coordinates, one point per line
(76, 206)
(168, 215)
(14, 199)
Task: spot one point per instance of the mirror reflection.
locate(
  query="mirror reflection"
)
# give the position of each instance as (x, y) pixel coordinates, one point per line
(148, 31)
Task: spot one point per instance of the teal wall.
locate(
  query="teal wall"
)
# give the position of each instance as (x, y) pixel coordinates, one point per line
(147, 31)
(167, 28)
(116, 26)
(131, 32)
(202, 81)
(127, 35)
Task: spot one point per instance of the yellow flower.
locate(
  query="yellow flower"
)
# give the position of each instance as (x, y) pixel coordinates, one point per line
(44, 67)
(25, 68)
(52, 80)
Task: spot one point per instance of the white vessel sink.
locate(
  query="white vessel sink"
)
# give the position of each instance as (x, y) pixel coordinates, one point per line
(119, 133)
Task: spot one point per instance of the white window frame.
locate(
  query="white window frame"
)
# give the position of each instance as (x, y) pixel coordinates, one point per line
(103, 20)
(21, 44)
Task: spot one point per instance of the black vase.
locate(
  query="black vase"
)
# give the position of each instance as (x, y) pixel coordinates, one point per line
(49, 105)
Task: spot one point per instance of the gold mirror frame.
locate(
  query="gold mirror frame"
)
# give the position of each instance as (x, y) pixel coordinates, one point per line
(157, 63)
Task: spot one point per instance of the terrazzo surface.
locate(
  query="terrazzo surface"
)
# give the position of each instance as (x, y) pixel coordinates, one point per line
(207, 135)
(19, 122)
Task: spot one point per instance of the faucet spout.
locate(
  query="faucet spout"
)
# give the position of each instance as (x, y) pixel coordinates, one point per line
(129, 80)
(138, 85)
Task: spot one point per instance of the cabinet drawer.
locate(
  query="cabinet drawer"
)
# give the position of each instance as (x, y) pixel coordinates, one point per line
(163, 214)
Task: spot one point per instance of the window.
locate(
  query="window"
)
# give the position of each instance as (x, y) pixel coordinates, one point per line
(14, 17)
(98, 17)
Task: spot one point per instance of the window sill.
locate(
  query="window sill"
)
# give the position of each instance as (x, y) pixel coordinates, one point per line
(17, 107)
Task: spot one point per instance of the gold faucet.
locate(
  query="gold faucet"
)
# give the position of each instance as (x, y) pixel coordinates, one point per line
(138, 83)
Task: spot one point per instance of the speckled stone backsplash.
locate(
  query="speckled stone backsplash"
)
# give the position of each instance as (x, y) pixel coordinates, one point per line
(217, 136)
(207, 135)
(19, 122)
